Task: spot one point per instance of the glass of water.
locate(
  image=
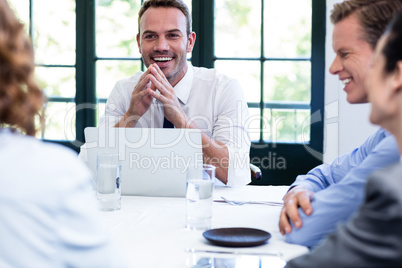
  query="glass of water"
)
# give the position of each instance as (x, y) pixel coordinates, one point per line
(108, 170)
(199, 196)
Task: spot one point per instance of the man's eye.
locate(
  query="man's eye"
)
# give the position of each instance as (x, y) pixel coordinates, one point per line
(149, 36)
(173, 35)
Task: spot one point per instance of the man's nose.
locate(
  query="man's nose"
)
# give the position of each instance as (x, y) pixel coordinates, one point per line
(336, 66)
(161, 44)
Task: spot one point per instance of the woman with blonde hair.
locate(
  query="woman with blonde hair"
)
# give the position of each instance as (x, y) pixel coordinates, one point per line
(48, 216)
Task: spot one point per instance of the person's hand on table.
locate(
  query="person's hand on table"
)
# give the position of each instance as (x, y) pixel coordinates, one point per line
(298, 196)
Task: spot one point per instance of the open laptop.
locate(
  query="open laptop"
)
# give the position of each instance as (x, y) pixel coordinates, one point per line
(154, 160)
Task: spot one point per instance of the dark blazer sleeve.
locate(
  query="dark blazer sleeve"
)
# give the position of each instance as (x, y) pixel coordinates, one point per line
(373, 237)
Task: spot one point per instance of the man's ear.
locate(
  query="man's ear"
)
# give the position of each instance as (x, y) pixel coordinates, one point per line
(138, 42)
(191, 42)
(398, 77)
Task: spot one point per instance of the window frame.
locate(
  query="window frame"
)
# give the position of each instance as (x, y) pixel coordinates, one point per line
(298, 159)
(203, 14)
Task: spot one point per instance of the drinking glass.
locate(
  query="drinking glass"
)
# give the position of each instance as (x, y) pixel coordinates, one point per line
(108, 170)
(199, 196)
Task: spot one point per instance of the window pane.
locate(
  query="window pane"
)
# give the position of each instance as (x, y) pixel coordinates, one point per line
(247, 73)
(238, 28)
(287, 126)
(54, 31)
(109, 72)
(189, 4)
(100, 111)
(304, 123)
(60, 121)
(56, 82)
(287, 81)
(21, 9)
(253, 123)
(116, 28)
(287, 28)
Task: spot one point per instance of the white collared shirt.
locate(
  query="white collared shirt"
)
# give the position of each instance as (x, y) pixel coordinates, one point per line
(212, 100)
(48, 214)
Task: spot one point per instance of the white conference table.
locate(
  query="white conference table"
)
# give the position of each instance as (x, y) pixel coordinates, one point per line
(150, 231)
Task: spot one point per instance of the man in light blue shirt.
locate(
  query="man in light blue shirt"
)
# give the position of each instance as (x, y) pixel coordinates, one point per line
(339, 188)
(373, 236)
(329, 194)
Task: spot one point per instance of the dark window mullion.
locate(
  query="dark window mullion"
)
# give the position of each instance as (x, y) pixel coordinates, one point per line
(122, 59)
(281, 105)
(31, 20)
(54, 65)
(318, 72)
(85, 66)
(142, 62)
(262, 70)
(60, 99)
(263, 59)
(203, 12)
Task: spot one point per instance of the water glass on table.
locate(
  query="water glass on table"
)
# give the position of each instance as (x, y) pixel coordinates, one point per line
(108, 170)
(199, 196)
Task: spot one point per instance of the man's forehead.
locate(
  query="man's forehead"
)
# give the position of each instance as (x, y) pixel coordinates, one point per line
(163, 19)
(347, 32)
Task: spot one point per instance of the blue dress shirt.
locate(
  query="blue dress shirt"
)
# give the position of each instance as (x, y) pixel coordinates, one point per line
(339, 187)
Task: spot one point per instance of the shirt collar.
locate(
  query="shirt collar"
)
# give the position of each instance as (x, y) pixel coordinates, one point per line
(183, 88)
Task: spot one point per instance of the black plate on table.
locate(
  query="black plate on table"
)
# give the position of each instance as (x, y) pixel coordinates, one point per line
(237, 237)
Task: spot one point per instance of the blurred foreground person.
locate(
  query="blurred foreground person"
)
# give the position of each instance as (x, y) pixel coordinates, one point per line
(48, 217)
(373, 238)
(330, 194)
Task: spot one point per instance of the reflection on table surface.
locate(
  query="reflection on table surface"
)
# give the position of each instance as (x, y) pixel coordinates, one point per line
(230, 261)
(150, 231)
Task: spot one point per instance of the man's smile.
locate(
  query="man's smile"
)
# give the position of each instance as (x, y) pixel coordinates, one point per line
(346, 81)
(162, 59)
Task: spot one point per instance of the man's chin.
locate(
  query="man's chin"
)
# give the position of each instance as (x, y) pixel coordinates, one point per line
(356, 95)
(356, 99)
(166, 72)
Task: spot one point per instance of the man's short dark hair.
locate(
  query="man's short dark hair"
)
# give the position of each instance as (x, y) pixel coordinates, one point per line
(392, 49)
(179, 4)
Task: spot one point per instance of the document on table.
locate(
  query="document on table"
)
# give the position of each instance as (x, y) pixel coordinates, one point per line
(251, 193)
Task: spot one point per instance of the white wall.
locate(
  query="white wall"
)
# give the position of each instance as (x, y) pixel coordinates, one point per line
(346, 126)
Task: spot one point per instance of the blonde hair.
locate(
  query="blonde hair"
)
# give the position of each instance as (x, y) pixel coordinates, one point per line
(21, 100)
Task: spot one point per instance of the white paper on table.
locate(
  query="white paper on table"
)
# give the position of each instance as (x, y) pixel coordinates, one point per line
(251, 193)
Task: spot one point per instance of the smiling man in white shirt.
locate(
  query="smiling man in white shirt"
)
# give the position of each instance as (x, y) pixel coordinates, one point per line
(173, 92)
